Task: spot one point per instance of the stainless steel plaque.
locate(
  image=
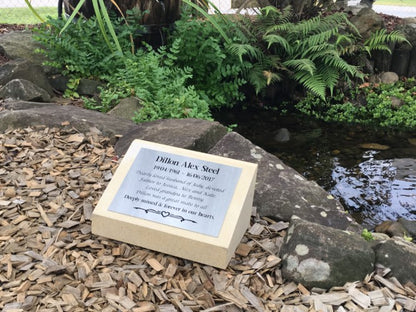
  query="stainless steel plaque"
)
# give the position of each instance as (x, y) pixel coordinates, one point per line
(179, 191)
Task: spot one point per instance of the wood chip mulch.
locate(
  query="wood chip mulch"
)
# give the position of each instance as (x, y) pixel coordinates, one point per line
(50, 181)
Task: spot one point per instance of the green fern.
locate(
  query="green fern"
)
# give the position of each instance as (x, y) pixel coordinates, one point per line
(301, 65)
(310, 50)
(379, 40)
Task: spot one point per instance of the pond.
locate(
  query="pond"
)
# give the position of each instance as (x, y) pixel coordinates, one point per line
(372, 173)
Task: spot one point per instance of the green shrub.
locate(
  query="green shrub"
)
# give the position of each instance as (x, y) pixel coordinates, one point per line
(80, 51)
(369, 104)
(161, 89)
(217, 74)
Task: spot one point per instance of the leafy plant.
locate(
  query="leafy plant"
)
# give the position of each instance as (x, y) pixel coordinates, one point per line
(367, 235)
(104, 22)
(407, 238)
(380, 40)
(368, 104)
(79, 52)
(310, 50)
(301, 9)
(316, 54)
(162, 90)
(217, 73)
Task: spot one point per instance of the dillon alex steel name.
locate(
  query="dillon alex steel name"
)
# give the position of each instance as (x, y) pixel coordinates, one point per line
(187, 164)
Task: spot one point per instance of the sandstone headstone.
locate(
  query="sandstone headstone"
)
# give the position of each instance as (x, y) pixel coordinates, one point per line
(184, 203)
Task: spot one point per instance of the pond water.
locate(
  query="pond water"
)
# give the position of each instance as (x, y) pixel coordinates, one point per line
(373, 174)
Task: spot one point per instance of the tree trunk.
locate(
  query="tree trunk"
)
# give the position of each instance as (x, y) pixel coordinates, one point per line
(158, 12)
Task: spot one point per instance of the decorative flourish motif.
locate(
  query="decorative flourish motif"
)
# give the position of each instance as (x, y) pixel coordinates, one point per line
(165, 214)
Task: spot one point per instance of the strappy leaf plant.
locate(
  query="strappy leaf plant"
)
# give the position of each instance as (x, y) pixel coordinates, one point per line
(106, 26)
(32, 9)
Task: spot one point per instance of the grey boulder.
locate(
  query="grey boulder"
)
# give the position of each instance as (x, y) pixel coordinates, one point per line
(22, 89)
(319, 256)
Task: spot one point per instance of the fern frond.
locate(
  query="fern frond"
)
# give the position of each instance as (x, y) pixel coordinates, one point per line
(279, 28)
(270, 10)
(317, 51)
(305, 27)
(259, 79)
(321, 37)
(330, 76)
(301, 65)
(380, 40)
(313, 83)
(241, 50)
(344, 39)
(279, 40)
(335, 61)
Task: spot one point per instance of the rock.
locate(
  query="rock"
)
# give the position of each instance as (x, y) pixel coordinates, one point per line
(391, 228)
(410, 227)
(21, 114)
(379, 237)
(89, 87)
(20, 45)
(367, 22)
(25, 90)
(58, 82)
(86, 87)
(126, 108)
(399, 256)
(312, 255)
(282, 135)
(281, 192)
(408, 29)
(396, 103)
(374, 146)
(194, 134)
(367, 3)
(22, 69)
(389, 77)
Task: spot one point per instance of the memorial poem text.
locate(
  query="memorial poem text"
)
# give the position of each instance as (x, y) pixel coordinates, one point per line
(179, 191)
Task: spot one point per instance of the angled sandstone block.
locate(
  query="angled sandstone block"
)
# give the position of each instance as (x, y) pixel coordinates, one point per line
(188, 204)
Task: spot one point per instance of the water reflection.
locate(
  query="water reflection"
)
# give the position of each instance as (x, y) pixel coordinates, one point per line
(376, 189)
(373, 185)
